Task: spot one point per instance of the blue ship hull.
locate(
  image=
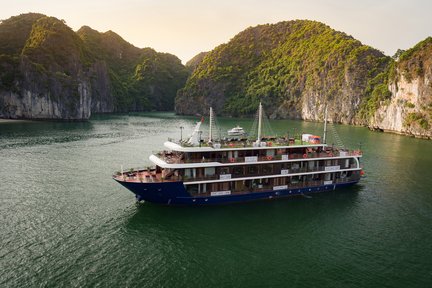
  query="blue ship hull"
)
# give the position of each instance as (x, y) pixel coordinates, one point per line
(174, 193)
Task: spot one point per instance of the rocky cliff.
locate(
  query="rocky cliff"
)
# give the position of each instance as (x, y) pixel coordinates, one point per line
(42, 76)
(296, 68)
(293, 67)
(409, 109)
(48, 71)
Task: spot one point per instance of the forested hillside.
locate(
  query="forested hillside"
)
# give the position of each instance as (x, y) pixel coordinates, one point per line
(48, 71)
(296, 68)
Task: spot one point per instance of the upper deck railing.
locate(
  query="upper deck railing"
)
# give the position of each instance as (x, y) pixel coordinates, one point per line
(173, 158)
(246, 143)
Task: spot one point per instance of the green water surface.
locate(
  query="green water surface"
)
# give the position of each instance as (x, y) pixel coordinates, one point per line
(65, 223)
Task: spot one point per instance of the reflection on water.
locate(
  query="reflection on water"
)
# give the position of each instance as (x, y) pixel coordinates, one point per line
(65, 222)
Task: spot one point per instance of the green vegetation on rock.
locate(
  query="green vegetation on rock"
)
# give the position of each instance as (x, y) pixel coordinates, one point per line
(416, 118)
(416, 63)
(141, 79)
(71, 74)
(285, 65)
(295, 68)
(196, 60)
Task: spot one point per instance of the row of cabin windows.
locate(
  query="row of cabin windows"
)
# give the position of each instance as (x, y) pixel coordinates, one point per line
(265, 168)
(248, 185)
(246, 153)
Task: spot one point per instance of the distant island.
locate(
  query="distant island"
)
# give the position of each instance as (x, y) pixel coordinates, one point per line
(48, 71)
(296, 68)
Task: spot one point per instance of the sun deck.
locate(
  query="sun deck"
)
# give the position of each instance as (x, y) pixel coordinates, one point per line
(238, 144)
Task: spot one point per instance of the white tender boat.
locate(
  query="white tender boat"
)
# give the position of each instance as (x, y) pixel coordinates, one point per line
(236, 131)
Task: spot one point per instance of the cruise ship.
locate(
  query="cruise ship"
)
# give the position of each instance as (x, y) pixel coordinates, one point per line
(209, 171)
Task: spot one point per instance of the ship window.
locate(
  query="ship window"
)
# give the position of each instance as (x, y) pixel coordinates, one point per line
(209, 171)
(256, 184)
(239, 186)
(224, 186)
(187, 172)
(295, 179)
(267, 169)
(270, 152)
(238, 170)
(252, 169)
(192, 188)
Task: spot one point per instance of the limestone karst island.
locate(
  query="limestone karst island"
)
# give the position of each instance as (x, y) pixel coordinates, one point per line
(49, 71)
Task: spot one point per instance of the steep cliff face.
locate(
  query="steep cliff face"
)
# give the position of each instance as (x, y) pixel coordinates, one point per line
(409, 110)
(135, 79)
(48, 71)
(295, 68)
(49, 80)
(114, 59)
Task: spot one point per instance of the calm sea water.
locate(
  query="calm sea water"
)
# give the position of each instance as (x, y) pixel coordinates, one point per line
(65, 223)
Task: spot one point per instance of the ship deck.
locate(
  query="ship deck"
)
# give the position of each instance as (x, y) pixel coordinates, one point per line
(143, 176)
(233, 143)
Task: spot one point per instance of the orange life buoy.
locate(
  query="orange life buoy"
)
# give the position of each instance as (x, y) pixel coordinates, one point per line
(305, 155)
(232, 160)
(269, 157)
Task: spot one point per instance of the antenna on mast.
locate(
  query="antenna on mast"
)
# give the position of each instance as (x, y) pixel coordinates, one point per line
(259, 122)
(325, 126)
(211, 125)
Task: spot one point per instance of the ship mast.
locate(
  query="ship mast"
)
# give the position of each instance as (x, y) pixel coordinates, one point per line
(325, 126)
(259, 122)
(211, 125)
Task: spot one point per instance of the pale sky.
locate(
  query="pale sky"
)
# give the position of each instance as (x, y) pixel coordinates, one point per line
(187, 27)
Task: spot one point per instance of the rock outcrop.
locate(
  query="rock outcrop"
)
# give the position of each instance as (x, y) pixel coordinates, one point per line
(48, 71)
(409, 110)
(297, 68)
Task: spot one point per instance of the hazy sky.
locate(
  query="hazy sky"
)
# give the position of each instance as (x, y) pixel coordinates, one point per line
(187, 27)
